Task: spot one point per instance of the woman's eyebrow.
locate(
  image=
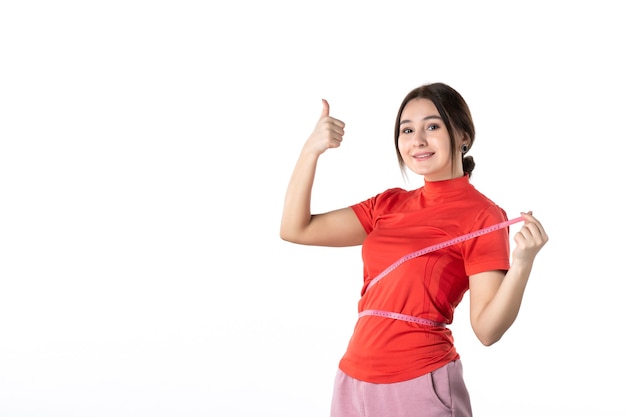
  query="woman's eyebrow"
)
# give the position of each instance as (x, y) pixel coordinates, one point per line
(434, 116)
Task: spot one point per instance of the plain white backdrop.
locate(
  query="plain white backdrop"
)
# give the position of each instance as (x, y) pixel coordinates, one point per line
(145, 148)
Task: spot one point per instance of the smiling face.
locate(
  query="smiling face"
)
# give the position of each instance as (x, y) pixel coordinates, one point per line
(424, 142)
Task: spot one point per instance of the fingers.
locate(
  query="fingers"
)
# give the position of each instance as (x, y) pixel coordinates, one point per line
(334, 128)
(325, 109)
(534, 226)
(530, 238)
(326, 114)
(334, 134)
(328, 132)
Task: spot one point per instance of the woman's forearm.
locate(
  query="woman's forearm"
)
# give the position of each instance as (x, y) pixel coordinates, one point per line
(297, 204)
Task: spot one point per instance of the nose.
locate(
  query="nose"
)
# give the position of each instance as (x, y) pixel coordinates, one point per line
(419, 139)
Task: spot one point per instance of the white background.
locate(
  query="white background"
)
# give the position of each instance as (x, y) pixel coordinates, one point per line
(145, 148)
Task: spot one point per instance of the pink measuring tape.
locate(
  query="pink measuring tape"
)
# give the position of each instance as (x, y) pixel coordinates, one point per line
(421, 252)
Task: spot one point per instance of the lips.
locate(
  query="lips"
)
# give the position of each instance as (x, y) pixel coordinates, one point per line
(423, 155)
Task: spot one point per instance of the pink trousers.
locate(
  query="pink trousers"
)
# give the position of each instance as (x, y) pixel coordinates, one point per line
(441, 393)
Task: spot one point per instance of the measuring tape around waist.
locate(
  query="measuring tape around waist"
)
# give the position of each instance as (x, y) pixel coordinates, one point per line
(442, 245)
(403, 317)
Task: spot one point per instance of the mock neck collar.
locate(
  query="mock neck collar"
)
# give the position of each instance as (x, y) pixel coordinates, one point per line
(447, 186)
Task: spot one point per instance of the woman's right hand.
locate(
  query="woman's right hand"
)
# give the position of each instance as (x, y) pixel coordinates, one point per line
(339, 227)
(328, 132)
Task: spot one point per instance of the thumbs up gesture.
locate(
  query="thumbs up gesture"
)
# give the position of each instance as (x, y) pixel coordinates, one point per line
(328, 132)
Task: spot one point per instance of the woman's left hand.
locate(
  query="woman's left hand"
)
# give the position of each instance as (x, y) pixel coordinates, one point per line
(530, 239)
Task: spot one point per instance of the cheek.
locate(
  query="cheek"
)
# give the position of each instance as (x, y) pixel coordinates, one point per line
(403, 145)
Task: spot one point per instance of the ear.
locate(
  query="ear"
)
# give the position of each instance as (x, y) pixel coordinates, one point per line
(462, 138)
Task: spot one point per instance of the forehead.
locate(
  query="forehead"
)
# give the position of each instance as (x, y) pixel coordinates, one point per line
(419, 108)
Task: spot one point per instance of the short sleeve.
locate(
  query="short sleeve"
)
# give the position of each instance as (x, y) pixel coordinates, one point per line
(491, 251)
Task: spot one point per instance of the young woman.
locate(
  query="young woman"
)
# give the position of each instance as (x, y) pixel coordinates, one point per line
(401, 360)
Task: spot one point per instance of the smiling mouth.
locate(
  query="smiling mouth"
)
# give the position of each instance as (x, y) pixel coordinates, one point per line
(423, 156)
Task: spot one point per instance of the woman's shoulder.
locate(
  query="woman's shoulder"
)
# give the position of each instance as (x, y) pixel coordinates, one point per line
(386, 200)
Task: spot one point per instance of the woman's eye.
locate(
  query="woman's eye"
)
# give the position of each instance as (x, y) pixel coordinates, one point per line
(432, 127)
(407, 130)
